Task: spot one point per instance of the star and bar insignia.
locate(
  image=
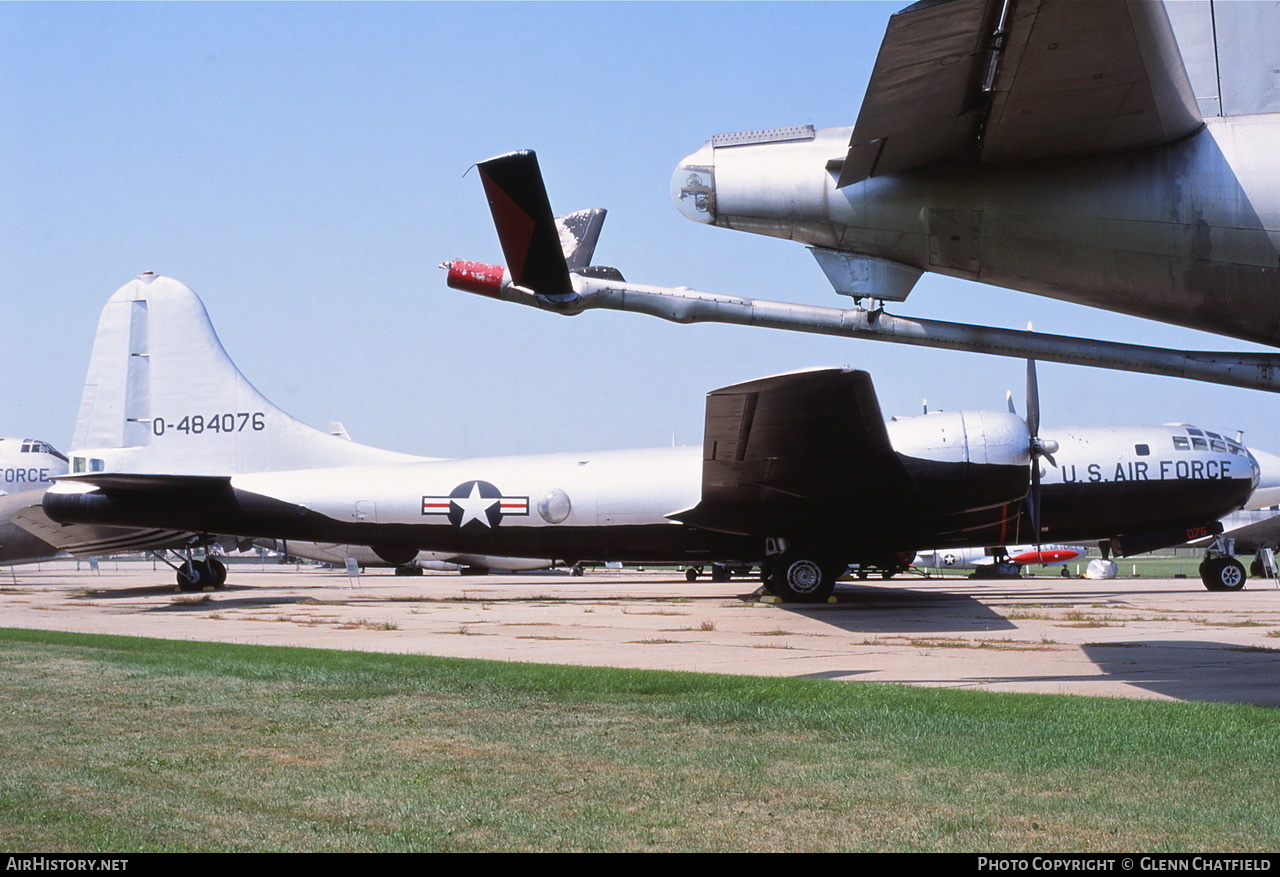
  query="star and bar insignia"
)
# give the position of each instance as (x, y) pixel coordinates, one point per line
(475, 502)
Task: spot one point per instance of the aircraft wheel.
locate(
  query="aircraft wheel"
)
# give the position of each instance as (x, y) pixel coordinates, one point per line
(575, 570)
(217, 572)
(1223, 574)
(1255, 568)
(720, 574)
(800, 579)
(691, 574)
(191, 576)
(888, 574)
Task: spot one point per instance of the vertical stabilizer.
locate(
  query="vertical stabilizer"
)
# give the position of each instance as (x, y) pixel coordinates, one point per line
(162, 396)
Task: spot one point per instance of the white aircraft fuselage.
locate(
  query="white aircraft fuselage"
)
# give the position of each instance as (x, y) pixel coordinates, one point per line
(798, 468)
(626, 505)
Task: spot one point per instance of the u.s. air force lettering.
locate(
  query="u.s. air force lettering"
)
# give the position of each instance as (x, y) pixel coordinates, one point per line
(476, 503)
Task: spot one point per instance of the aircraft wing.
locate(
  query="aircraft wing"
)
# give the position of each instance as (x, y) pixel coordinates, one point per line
(91, 540)
(968, 80)
(797, 448)
(1249, 537)
(87, 540)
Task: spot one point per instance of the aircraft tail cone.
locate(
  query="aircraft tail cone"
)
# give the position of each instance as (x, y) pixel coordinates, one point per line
(474, 277)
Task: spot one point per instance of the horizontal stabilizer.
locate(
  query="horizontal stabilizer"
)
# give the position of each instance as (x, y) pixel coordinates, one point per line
(579, 233)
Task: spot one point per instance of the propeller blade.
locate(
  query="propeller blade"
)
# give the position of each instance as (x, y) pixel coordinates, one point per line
(1033, 400)
(1033, 503)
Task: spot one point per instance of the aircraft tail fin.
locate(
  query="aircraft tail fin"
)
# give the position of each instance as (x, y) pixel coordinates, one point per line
(526, 228)
(162, 396)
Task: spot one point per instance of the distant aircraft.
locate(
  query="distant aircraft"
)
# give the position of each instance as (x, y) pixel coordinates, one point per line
(27, 467)
(799, 471)
(28, 464)
(471, 564)
(1085, 150)
(983, 559)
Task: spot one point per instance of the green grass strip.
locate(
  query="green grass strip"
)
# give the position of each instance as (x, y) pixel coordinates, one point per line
(132, 744)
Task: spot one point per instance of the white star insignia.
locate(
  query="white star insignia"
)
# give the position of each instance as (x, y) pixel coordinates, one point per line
(475, 507)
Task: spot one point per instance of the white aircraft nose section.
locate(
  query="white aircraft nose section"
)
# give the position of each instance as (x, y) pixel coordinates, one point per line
(693, 186)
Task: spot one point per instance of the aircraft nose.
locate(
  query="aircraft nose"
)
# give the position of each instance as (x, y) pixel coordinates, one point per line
(1255, 470)
(693, 186)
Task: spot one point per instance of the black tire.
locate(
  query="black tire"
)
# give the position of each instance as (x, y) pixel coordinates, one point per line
(800, 579)
(691, 574)
(720, 574)
(191, 576)
(217, 572)
(1255, 568)
(1223, 574)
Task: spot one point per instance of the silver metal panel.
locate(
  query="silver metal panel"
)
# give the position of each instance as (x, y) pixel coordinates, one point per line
(916, 110)
(766, 135)
(1088, 77)
(1248, 40)
(1192, 22)
(866, 276)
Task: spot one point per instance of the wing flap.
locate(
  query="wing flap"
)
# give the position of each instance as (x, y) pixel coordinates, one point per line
(1088, 77)
(1063, 78)
(917, 107)
(89, 540)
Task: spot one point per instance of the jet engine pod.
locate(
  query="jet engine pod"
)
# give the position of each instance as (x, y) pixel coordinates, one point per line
(396, 555)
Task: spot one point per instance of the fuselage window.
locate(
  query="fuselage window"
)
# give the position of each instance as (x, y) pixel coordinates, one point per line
(1142, 450)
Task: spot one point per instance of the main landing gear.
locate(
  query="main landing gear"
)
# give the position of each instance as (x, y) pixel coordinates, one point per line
(196, 575)
(1222, 574)
(1220, 571)
(797, 577)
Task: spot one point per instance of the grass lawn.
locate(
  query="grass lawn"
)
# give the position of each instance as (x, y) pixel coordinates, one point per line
(128, 744)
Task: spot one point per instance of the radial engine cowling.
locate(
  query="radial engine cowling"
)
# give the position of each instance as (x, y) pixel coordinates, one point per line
(965, 460)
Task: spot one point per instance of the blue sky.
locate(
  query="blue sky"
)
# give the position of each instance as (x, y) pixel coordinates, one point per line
(303, 167)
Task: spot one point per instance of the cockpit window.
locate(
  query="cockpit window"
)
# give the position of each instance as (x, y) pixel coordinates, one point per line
(1181, 443)
(1193, 431)
(1199, 444)
(32, 446)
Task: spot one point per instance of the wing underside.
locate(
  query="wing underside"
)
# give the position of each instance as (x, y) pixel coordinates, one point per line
(1020, 80)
